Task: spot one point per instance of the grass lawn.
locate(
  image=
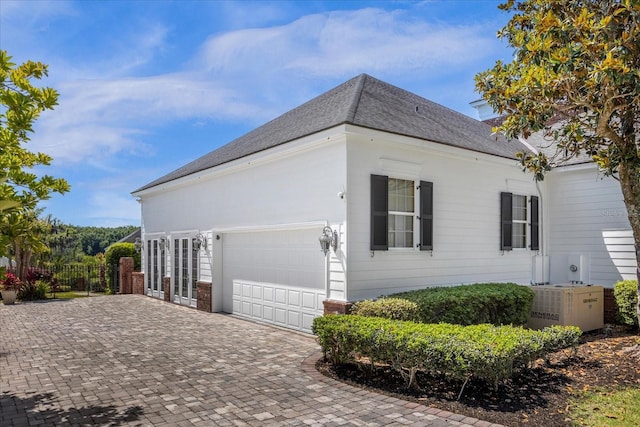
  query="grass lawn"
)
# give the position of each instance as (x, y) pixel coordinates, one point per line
(68, 295)
(602, 407)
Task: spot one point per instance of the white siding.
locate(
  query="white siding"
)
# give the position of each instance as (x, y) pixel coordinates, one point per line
(280, 188)
(466, 197)
(582, 205)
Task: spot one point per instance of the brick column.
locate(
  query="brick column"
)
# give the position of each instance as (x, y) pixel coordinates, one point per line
(204, 296)
(126, 271)
(610, 306)
(137, 283)
(166, 283)
(336, 307)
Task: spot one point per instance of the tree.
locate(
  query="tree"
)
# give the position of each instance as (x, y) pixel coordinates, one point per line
(21, 103)
(24, 233)
(577, 64)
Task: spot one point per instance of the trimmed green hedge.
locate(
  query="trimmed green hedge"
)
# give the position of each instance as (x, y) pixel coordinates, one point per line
(494, 303)
(389, 308)
(486, 352)
(626, 295)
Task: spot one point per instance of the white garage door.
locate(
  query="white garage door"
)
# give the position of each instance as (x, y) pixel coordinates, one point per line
(274, 276)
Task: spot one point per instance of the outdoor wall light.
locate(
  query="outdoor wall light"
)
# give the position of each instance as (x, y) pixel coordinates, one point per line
(138, 244)
(328, 238)
(199, 242)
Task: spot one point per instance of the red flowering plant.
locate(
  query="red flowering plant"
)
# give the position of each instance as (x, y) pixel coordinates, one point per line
(10, 282)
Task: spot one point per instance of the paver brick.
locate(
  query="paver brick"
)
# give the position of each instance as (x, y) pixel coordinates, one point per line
(134, 360)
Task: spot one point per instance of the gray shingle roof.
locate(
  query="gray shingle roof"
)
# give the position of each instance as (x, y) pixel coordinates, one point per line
(362, 101)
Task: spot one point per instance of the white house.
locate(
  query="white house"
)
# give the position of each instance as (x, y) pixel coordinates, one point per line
(410, 193)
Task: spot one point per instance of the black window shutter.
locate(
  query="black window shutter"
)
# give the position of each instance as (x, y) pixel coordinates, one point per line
(379, 212)
(426, 216)
(535, 224)
(506, 218)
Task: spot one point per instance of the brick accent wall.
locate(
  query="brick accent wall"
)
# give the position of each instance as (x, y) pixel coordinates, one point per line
(137, 283)
(126, 271)
(610, 306)
(204, 296)
(336, 307)
(166, 283)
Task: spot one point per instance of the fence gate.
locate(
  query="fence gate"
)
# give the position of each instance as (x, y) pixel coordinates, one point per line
(78, 277)
(115, 277)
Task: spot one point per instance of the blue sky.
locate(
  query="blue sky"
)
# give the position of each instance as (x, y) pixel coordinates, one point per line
(147, 86)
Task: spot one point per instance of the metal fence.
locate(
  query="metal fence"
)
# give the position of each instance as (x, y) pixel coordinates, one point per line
(81, 277)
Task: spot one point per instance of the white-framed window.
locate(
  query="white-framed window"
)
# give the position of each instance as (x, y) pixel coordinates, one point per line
(519, 219)
(401, 213)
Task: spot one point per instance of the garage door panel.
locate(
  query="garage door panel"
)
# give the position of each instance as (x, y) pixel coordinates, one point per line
(246, 308)
(294, 318)
(257, 310)
(268, 294)
(281, 315)
(268, 313)
(294, 298)
(274, 276)
(307, 321)
(309, 301)
(281, 296)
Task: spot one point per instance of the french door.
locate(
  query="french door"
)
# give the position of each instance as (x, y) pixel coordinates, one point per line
(185, 271)
(156, 267)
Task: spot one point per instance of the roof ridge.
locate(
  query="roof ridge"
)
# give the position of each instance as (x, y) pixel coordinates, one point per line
(353, 108)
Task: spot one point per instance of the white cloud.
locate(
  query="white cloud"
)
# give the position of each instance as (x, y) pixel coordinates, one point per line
(248, 75)
(348, 42)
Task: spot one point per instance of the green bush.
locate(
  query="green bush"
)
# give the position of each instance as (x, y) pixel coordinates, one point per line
(485, 352)
(32, 291)
(112, 257)
(389, 308)
(494, 303)
(626, 295)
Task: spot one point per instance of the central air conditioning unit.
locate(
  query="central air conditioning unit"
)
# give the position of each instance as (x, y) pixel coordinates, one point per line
(575, 305)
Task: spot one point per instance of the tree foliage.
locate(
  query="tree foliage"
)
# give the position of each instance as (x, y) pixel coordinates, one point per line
(575, 77)
(71, 243)
(21, 187)
(21, 103)
(22, 236)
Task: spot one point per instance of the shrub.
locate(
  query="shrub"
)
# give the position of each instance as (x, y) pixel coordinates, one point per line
(626, 295)
(32, 291)
(34, 274)
(485, 352)
(494, 303)
(112, 258)
(11, 282)
(389, 308)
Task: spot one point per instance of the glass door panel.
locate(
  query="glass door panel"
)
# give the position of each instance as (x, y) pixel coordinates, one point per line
(185, 271)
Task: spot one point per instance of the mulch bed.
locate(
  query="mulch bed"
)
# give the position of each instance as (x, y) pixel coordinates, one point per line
(535, 397)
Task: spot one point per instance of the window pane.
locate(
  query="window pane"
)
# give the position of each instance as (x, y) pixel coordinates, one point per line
(176, 266)
(148, 261)
(163, 267)
(155, 265)
(400, 231)
(185, 268)
(519, 235)
(519, 208)
(401, 195)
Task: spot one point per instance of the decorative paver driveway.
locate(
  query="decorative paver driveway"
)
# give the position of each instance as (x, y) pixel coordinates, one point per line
(133, 360)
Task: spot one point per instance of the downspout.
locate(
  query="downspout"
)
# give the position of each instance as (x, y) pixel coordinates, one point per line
(541, 250)
(541, 227)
